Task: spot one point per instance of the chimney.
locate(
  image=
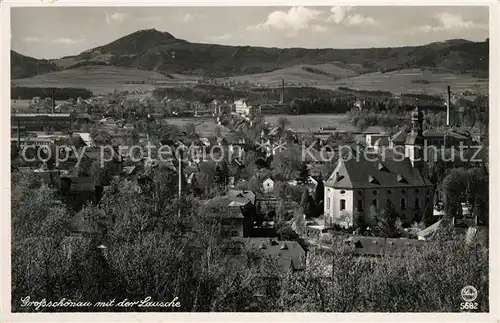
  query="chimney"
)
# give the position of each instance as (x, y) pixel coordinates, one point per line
(53, 100)
(282, 95)
(18, 134)
(448, 103)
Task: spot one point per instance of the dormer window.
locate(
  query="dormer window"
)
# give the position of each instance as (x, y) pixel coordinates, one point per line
(372, 180)
(401, 179)
(338, 177)
(382, 168)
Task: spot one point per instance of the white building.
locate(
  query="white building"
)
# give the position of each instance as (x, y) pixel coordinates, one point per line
(242, 107)
(268, 185)
(358, 183)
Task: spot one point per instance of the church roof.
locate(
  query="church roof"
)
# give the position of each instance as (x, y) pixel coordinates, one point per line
(373, 173)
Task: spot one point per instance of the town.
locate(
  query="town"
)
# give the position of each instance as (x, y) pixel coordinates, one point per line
(263, 192)
(250, 179)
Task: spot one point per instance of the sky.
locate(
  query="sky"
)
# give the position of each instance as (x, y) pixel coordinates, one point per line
(45, 32)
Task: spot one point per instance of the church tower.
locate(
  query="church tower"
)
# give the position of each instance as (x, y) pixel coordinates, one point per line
(415, 141)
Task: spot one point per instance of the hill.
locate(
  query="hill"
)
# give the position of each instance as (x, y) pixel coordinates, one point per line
(25, 66)
(163, 53)
(98, 79)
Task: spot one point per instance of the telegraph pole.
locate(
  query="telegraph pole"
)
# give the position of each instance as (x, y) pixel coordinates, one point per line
(448, 103)
(180, 182)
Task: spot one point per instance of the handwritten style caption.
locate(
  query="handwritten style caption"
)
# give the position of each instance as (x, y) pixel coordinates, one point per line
(146, 302)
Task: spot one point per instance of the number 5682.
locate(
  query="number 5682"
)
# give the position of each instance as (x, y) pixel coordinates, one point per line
(468, 306)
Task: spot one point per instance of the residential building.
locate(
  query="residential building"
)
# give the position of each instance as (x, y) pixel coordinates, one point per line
(41, 121)
(268, 185)
(289, 254)
(358, 183)
(272, 108)
(238, 220)
(244, 108)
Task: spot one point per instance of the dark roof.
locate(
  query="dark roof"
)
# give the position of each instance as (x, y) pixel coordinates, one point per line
(243, 197)
(80, 184)
(289, 254)
(399, 137)
(375, 174)
(376, 246)
(414, 139)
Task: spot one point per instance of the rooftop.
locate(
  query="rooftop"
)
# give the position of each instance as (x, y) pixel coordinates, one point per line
(374, 173)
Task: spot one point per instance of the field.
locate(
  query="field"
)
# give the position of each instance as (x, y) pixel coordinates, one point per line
(415, 80)
(98, 79)
(104, 79)
(306, 74)
(328, 76)
(302, 123)
(312, 122)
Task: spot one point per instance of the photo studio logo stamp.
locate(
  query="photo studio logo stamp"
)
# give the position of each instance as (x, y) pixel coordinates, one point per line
(469, 295)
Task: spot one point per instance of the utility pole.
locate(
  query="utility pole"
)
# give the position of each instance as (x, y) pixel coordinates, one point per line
(53, 100)
(19, 134)
(180, 182)
(448, 103)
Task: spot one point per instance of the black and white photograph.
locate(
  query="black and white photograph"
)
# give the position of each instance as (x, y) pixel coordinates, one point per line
(285, 159)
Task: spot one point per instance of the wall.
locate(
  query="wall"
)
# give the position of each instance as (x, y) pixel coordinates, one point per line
(333, 212)
(381, 195)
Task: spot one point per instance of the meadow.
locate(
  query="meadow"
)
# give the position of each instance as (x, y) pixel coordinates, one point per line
(105, 79)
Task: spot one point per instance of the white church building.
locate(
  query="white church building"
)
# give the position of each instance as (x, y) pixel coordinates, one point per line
(363, 181)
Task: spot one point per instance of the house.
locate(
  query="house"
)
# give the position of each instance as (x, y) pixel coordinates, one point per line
(357, 185)
(290, 256)
(378, 247)
(268, 185)
(237, 221)
(77, 191)
(87, 139)
(464, 227)
(398, 139)
(244, 108)
(372, 139)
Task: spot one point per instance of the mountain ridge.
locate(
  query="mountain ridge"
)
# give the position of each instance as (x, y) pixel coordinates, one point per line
(161, 52)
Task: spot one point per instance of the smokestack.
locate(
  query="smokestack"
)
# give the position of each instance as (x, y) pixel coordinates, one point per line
(282, 95)
(18, 134)
(53, 101)
(448, 103)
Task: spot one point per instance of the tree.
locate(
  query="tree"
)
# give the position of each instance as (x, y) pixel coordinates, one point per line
(190, 128)
(453, 189)
(319, 195)
(304, 173)
(360, 223)
(307, 205)
(222, 174)
(218, 131)
(386, 221)
(362, 124)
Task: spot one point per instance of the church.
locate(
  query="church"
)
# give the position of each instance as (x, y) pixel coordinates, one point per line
(365, 180)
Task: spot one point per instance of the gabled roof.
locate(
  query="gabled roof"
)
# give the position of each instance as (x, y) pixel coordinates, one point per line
(399, 137)
(244, 197)
(384, 141)
(369, 174)
(376, 246)
(289, 254)
(80, 184)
